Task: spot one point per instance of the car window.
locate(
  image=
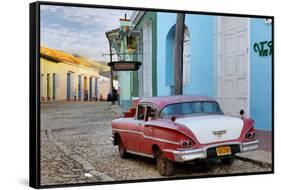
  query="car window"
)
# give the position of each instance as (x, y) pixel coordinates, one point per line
(150, 113)
(141, 112)
(197, 107)
(187, 108)
(209, 107)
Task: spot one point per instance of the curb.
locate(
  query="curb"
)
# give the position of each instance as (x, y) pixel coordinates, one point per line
(257, 162)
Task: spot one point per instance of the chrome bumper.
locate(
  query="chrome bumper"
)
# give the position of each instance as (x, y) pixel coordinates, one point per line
(201, 153)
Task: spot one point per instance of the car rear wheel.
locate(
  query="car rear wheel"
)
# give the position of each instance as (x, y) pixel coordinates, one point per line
(165, 166)
(227, 160)
(122, 150)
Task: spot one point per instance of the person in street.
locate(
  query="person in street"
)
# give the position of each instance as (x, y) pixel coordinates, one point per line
(115, 94)
(75, 93)
(109, 97)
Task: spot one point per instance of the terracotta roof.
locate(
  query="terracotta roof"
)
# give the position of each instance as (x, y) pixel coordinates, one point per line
(60, 56)
(162, 101)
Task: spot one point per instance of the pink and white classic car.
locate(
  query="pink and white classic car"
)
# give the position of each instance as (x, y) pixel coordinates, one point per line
(180, 129)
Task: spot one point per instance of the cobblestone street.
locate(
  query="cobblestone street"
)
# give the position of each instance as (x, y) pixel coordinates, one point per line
(76, 148)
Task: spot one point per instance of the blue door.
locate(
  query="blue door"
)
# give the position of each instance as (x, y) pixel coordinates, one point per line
(91, 84)
(79, 87)
(48, 87)
(68, 91)
(54, 86)
(96, 88)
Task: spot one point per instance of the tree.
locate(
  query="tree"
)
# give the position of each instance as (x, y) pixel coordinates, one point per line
(178, 54)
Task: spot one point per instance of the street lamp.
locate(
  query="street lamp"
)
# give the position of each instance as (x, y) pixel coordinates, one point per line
(112, 36)
(115, 39)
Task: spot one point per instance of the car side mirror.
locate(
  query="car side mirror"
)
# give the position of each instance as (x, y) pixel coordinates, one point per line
(242, 113)
(173, 118)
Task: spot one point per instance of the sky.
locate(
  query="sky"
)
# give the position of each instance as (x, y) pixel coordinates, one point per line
(79, 30)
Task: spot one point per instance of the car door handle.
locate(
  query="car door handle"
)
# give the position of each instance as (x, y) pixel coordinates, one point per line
(139, 124)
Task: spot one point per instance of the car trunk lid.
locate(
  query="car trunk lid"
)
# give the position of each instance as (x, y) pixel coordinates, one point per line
(213, 128)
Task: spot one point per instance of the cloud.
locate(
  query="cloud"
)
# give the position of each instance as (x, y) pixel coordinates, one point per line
(79, 30)
(84, 43)
(49, 8)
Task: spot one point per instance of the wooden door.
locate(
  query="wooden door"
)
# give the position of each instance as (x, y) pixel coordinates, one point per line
(232, 64)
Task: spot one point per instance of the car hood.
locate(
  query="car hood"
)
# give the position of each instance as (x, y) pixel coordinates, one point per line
(213, 128)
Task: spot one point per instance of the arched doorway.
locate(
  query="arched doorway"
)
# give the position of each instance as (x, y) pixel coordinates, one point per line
(169, 57)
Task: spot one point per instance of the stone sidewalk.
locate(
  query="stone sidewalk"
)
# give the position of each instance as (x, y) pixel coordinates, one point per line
(260, 157)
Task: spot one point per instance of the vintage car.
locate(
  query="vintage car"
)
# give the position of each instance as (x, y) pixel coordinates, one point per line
(180, 129)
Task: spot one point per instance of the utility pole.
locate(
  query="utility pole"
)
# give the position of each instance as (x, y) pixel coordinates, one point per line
(178, 54)
(111, 73)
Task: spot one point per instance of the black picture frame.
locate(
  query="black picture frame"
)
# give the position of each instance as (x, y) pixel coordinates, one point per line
(34, 91)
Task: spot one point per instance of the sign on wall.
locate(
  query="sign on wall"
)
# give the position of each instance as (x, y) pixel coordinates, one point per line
(263, 48)
(125, 65)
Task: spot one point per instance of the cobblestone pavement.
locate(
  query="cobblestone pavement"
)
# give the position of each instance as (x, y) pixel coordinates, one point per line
(76, 148)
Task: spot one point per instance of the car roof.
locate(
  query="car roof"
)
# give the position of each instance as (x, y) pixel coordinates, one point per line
(162, 101)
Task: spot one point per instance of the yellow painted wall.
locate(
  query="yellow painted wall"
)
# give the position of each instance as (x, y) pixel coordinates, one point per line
(61, 69)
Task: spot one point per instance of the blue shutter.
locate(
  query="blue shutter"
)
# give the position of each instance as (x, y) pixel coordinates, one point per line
(68, 86)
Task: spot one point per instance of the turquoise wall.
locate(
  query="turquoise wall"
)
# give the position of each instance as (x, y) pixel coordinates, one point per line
(202, 46)
(201, 29)
(124, 77)
(261, 76)
(169, 66)
(165, 21)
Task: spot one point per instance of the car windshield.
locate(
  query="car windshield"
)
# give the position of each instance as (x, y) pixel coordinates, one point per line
(188, 108)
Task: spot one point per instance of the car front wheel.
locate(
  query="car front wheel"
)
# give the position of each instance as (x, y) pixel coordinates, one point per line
(165, 166)
(122, 150)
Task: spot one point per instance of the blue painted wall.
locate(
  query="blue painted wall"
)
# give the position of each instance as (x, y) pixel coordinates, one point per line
(261, 75)
(202, 63)
(165, 21)
(169, 66)
(201, 29)
(202, 46)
